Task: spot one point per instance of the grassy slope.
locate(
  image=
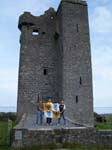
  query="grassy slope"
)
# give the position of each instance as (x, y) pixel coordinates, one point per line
(104, 126)
(3, 132)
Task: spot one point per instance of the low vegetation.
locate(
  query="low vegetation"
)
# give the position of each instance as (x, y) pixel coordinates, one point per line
(104, 126)
(102, 122)
(6, 116)
(3, 133)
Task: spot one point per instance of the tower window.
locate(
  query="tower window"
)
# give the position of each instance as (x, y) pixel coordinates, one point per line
(43, 33)
(35, 32)
(45, 71)
(80, 81)
(56, 35)
(51, 17)
(76, 99)
(77, 26)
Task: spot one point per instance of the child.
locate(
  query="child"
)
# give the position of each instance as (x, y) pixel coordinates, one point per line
(49, 111)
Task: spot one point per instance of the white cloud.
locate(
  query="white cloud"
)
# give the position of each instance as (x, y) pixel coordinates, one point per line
(101, 32)
(101, 20)
(102, 75)
(8, 87)
(102, 61)
(103, 1)
(8, 80)
(14, 8)
(102, 93)
(99, 2)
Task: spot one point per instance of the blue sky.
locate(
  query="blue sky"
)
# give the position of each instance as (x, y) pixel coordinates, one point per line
(100, 18)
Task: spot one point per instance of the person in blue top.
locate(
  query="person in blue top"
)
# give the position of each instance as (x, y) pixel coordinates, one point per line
(39, 113)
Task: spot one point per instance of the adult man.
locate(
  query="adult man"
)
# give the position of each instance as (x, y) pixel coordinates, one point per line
(62, 108)
(39, 113)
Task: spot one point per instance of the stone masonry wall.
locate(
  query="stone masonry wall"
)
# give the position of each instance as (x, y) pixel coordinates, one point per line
(77, 72)
(40, 73)
(23, 137)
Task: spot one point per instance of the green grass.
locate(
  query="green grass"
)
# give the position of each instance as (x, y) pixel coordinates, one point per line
(5, 148)
(105, 126)
(3, 132)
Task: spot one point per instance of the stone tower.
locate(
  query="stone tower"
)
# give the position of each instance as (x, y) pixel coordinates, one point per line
(55, 61)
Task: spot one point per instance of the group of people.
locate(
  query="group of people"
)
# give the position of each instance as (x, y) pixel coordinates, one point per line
(42, 111)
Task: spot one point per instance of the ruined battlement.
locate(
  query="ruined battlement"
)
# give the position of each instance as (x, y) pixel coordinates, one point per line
(27, 19)
(76, 1)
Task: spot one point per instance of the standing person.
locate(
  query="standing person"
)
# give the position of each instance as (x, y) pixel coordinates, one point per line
(49, 111)
(56, 112)
(39, 113)
(62, 108)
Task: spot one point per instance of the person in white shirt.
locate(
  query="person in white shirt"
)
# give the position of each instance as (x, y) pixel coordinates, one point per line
(49, 111)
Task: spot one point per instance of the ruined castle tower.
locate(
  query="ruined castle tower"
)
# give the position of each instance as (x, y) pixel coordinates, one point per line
(55, 61)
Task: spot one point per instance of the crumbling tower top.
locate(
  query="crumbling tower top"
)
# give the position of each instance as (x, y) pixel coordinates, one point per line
(76, 1)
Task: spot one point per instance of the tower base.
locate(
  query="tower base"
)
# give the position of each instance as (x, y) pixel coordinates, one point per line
(27, 134)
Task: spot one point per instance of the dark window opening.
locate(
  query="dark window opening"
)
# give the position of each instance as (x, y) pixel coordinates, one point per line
(35, 32)
(76, 99)
(45, 71)
(80, 80)
(43, 33)
(56, 35)
(25, 24)
(77, 27)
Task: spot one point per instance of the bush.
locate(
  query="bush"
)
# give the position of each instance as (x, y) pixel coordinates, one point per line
(6, 116)
(99, 118)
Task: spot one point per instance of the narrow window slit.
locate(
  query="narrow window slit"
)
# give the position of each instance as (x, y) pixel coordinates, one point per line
(43, 33)
(77, 27)
(80, 80)
(45, 71)
(76, 99)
